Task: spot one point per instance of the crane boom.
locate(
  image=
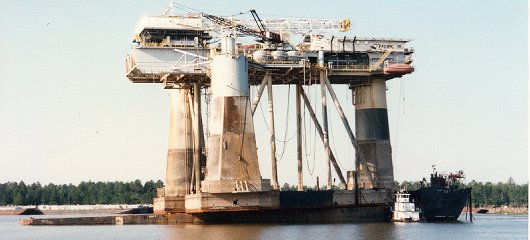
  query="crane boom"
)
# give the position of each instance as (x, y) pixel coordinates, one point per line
(266, 36)
(303, 26)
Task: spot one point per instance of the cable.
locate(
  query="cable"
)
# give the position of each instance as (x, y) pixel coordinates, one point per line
(287, 122)
(331, 135)
(311, 171)
(232, 14)
(401, 95)
(349, 145)
(270, 131)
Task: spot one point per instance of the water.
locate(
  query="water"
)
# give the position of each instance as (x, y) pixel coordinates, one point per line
(485, 227)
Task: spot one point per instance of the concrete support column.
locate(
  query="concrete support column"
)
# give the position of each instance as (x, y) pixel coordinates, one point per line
(170, 199)
(371, 126)
(232, 164)
(179, 154)
(197, 150)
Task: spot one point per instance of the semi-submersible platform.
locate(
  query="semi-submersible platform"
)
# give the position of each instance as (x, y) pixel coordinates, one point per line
(215, 177)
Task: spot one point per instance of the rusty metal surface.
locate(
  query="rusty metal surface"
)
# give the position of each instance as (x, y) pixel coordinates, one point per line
(373, 213)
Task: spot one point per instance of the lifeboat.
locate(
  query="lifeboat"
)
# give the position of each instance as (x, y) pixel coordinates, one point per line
(26, 221)
(398, 68)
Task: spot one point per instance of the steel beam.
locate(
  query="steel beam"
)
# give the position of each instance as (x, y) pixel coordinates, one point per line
(325, 128)
(299, 138)
(319, 130)
(264, 82)
(273, 136)
(347, 126)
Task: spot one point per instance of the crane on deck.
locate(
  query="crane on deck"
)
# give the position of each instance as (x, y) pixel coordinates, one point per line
(262, 33)
(276, 31)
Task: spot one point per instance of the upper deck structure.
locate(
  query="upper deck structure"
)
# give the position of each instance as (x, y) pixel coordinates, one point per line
(176, 49)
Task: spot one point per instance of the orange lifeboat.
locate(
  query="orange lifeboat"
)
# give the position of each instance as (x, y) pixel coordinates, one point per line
(398, 68)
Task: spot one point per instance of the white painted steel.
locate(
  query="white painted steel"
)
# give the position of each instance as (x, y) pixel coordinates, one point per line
(168, 23)
(165, 60)
(260, 56)
(228, 44)
(229, 76)
(294, 55)
(321, 58)
(361, 44)
(279, 55)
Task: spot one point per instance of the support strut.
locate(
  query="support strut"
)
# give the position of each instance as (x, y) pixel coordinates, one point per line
(319, 130)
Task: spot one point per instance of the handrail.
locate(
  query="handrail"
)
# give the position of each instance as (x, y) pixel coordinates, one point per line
(350, 67)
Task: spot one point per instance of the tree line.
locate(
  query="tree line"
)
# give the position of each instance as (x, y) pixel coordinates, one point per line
(118, 192)
(488, 194)
(483, 194)
(19, 193)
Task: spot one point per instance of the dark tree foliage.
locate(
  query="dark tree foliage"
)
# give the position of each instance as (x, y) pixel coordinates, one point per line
(499, 194)
(13, 193)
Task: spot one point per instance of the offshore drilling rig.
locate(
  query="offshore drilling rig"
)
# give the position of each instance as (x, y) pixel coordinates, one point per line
(215, 177)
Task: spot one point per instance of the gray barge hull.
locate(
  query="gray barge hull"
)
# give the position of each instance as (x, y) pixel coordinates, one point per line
(283, 216)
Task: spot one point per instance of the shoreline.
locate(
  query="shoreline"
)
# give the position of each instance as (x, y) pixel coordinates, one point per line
(70, 209)
(116, 208)
(503, 210)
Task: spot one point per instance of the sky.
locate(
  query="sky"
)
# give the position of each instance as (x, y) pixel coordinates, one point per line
(68, 113)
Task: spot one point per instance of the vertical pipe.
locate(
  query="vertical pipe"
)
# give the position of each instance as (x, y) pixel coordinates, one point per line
(325, 128)
(356, 178)
(202, 144)
(299, 137)
(196, 136)
(321, 59)
(273, 136)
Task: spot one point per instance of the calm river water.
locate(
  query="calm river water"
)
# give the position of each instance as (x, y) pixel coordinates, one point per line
(485, 227)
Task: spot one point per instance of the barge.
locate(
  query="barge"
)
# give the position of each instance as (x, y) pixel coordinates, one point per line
(443, 199)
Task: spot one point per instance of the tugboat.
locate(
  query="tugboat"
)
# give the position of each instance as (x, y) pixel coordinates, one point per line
(444, 199)
(404, 210)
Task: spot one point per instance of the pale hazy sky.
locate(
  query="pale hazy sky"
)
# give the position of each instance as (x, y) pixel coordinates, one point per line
(68, 113)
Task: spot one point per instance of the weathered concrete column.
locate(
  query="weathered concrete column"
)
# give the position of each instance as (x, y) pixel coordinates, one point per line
(197, 149)
(232, 164)
(180, 144)
(371, 126)
(179, 154)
